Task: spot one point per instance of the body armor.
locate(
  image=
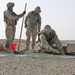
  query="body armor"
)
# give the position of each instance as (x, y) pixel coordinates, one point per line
(10, 22)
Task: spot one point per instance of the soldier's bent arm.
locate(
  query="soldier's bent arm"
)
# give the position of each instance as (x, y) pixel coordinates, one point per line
(57, 41)
(26, 19)
(44, 42)
(9, 16)
(39, 23)
(20, 15)
(55, 35)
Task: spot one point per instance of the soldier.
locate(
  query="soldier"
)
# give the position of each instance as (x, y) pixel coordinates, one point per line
(47, 38)
(11, 18)
(33, 25)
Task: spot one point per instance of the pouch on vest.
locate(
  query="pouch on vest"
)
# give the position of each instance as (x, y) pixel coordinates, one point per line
(33, 19)
(5, 18)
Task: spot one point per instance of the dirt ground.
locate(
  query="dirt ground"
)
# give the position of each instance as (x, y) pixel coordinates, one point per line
(27, 65)
(36, 64)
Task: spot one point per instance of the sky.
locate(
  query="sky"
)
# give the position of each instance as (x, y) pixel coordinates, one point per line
(59, 14)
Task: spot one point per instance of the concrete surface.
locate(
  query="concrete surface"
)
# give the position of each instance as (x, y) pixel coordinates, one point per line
(36, 64)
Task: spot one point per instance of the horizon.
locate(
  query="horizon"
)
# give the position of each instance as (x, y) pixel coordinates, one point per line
(59, 14)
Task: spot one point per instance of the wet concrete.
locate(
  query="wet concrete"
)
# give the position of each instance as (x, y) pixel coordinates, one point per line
(30, 54)
(36, 64)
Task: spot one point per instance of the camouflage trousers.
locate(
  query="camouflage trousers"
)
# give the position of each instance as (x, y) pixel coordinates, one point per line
(31, 32)
(10, 34)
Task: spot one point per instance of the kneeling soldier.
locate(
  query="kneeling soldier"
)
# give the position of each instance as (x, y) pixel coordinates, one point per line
(47, 38)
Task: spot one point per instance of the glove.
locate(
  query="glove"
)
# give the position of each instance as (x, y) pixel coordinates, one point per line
(25, 25)
(24, 12)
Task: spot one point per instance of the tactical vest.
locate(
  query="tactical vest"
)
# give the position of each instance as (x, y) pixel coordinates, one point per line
(5, 18)
(33, 18)
(13, 22)
(48, 38)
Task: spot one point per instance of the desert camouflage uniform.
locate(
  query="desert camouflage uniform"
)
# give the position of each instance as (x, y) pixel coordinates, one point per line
(33, 23)
(46, 42)
(10, 19)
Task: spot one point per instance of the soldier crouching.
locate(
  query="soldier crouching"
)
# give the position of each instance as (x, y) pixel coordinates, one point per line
(47, 38)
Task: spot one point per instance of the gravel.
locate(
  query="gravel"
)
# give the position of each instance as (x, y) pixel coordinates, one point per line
(27, 65)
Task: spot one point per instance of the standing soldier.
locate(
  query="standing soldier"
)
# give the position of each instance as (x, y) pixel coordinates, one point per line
(33, 25)
(11, 18)
(47, 38)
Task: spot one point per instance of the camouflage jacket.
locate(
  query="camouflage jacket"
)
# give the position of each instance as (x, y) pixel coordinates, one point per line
(11, 18)
(52, 35)
(34, 19)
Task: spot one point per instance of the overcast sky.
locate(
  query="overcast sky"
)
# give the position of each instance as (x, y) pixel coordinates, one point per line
(60, 14)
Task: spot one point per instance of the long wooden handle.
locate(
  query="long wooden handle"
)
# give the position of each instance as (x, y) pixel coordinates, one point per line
(21, 27)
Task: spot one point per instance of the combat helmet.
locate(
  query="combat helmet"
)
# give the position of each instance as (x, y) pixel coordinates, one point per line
(48, 28)
(38, 9)
(10, 4)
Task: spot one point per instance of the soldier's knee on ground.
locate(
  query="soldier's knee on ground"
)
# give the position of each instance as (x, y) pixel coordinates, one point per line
(41, 50)
(40, 47)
